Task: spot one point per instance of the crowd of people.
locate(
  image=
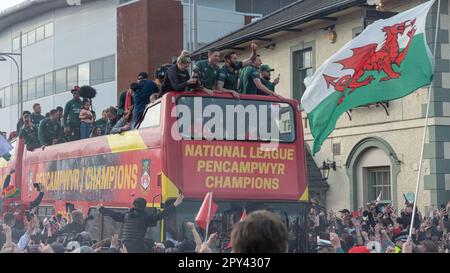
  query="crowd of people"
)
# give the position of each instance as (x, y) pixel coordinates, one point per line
(78, 121)
(380, 228)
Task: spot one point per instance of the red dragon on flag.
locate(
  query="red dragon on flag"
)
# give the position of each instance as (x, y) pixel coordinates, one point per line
(368, 58)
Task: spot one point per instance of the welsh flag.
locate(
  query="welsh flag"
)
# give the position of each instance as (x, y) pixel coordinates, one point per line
(387, 61)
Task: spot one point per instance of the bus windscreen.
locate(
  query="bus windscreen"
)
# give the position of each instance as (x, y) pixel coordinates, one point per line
(230, 119)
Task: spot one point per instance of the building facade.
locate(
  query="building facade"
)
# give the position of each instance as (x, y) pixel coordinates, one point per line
(103, 43)
(376, 147)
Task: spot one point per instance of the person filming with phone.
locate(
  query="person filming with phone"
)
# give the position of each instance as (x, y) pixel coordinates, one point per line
(137, 220)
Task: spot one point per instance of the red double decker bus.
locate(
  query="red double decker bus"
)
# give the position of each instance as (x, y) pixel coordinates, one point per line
(163, 157)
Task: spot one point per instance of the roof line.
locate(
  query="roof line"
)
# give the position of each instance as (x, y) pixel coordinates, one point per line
(290, 22)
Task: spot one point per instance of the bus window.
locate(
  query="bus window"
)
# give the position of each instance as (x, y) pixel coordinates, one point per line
(252, 119)
(152, 117)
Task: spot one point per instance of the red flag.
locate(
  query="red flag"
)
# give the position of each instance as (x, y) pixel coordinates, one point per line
(244, 214)
(202, 215)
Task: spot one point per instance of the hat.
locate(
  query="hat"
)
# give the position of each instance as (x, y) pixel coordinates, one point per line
(359, 249)
(75, 88)
(266, 68)
(11, 191)
(344, 211)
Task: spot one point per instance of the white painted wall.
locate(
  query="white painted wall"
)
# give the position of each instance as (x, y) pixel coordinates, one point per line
(81, 33)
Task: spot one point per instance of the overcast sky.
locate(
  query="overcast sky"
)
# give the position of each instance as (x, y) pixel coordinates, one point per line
(4, 4)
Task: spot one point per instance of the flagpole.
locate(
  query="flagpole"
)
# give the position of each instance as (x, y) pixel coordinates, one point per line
(426, 122)
(208, 218)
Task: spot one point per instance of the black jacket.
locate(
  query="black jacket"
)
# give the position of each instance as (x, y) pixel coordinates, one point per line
(73, 227)
(135, 223)
(174, 80)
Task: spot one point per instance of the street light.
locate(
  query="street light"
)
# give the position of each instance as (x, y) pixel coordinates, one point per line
(19, 73)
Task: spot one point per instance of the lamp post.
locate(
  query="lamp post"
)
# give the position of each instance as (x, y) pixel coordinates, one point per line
(325, 169)
(19, 73)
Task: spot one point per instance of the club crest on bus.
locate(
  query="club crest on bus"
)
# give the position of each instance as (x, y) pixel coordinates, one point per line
(145, 177)
(368, 58)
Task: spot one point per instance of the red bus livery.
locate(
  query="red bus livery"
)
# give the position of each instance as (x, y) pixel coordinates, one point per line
(151, 162)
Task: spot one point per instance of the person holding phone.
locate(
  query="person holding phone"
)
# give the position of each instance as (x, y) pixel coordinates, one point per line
(264, 72)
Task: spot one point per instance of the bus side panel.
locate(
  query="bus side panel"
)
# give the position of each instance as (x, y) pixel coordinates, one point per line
(113, 179)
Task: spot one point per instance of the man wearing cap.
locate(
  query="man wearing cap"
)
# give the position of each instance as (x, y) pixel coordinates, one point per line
(264, 72)
(228, 75)
(136, 221)
(50, 131)
(250, 81)
(206, 71)
(72, 111)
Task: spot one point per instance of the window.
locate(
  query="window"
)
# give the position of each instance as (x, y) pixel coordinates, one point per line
(96, 72)
(24, 91)
(242, 119)
(2, 97)
(16, 44)
(72, 77)
(31, 89)
(336, 148)
(48, 30)
(14, 94)
(152, 117)
(379, 182)
(49, 84)
(60, 81)
(83, 74)
(24, 39)
(32, 37)
(40, 87)
(7, 101)
(109, 69)
(302, 68)
(40, 34)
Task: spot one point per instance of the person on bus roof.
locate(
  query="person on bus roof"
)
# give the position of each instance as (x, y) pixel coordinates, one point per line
(264, 72)
(141, 96)
(50, 131)
(206, 71)
(250, 81)
(29, 133)
(177, 77)
(36, 116)
(136, 221)
(228, 75)
(72, 111)
(124, 124)
(102, 122)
